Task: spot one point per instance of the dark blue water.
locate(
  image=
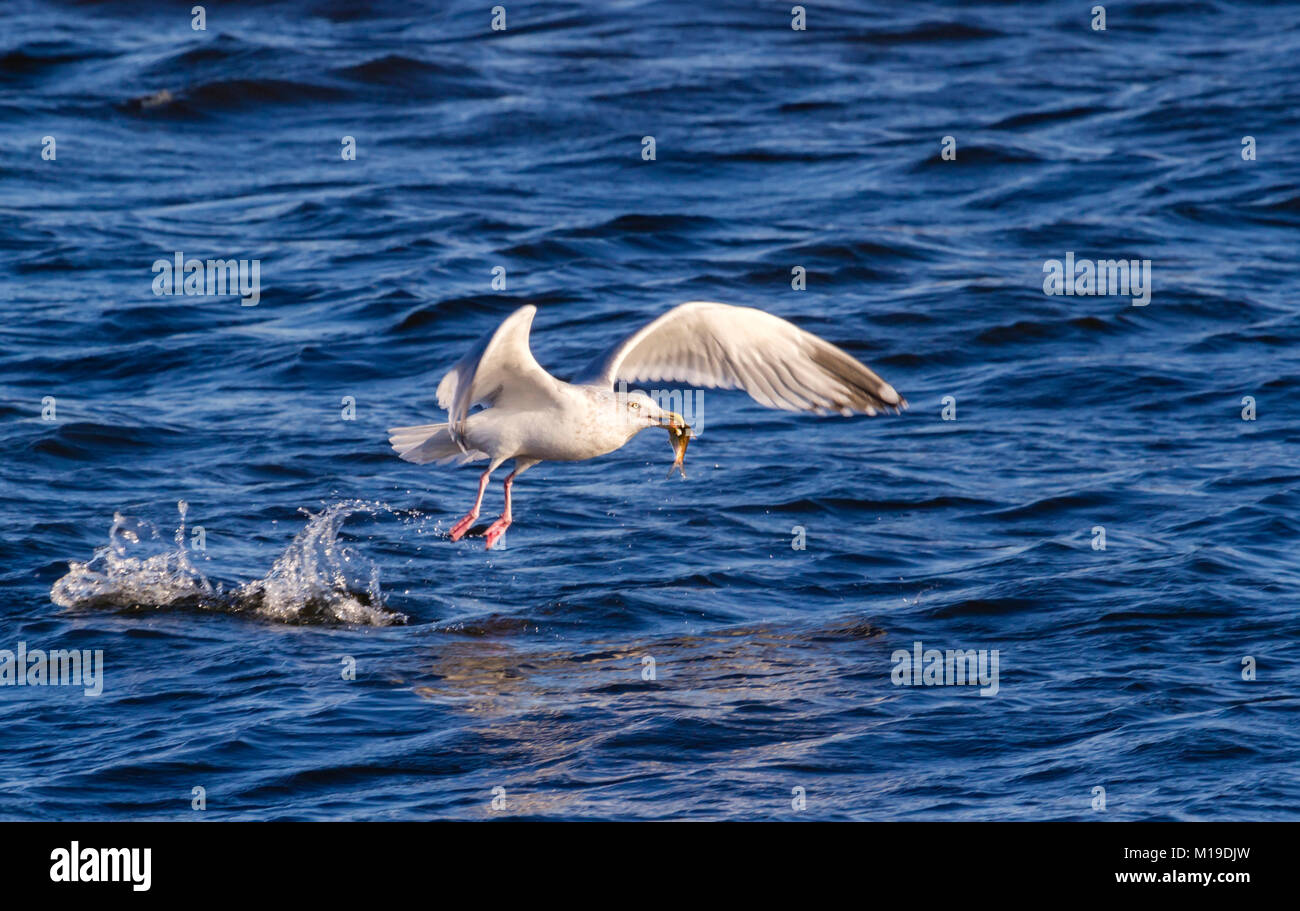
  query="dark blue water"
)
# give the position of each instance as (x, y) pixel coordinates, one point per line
(522, 669)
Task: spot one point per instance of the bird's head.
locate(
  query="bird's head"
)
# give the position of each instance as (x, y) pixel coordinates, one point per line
(638, 411)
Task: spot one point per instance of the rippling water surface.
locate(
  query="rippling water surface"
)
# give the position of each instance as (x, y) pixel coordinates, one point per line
(523, 669)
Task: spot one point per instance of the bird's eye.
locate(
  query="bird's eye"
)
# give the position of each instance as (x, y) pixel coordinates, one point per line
(635, 404)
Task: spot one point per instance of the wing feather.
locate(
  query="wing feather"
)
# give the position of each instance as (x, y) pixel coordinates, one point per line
(721, 346)
(499, 371)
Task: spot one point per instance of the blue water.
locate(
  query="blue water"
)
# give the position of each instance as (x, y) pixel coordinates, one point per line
(523, 669)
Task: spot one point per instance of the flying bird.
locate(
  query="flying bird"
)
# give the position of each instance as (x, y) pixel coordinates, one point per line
(530, 416)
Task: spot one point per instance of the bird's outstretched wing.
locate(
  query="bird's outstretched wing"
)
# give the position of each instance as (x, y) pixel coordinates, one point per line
(776, 362)
(500, 371)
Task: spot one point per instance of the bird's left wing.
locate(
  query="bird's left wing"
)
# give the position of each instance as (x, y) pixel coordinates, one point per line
(500, 371)
(776, 362)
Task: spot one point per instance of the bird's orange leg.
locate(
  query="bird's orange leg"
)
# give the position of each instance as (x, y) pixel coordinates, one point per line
(458, 530)
(498, 528)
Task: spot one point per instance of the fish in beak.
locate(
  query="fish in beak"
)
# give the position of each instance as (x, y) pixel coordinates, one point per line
(679, 434)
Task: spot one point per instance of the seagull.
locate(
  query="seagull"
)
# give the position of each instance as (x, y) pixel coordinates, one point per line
(531, 416)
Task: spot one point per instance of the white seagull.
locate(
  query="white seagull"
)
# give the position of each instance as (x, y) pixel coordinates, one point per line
(532, 417)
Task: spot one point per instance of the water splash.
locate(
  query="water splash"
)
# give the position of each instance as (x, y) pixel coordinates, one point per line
(136, 569)
(317, 580)
(320, 579)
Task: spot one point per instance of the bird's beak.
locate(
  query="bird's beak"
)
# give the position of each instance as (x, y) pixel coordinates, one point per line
(671, 420)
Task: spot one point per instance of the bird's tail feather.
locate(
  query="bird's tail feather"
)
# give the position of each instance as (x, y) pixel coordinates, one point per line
(423, 443)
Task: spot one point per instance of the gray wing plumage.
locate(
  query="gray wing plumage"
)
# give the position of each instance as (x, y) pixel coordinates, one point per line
(717, 345)
(499, 371)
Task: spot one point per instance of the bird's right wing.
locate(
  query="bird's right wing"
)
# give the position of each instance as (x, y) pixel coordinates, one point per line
(777, 363)
(499, 371)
